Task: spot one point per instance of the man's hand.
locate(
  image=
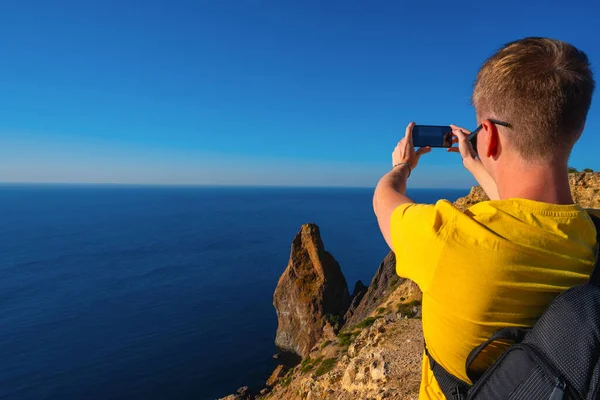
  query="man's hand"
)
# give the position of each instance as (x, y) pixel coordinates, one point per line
(405, 150)
(472, 162)
(465, 148)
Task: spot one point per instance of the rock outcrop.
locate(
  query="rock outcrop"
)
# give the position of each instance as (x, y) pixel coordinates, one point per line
(585, 188)
(380, 359)
(311, 295)
(475, 196)
(382, 284)
(276, 375)
(242, 393)
(357, 295)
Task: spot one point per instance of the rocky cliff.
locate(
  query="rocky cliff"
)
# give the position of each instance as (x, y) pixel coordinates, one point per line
(377, 353)
(384, 283)
(311, 296)
(475, 196)
(378, 357)
(585, 188)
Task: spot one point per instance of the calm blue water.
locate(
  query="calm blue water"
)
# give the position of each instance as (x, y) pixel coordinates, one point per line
(158, 293)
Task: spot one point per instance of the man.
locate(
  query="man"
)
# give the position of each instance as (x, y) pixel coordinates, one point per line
(503, 261)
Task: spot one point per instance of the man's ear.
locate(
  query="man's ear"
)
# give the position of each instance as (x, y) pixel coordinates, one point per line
(492, 139)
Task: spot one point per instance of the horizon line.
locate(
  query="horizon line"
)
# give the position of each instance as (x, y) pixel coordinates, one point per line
(201, 185)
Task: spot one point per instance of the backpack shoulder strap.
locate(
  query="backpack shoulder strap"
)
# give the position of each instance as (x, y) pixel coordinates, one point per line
(452, 387)
(595, 275)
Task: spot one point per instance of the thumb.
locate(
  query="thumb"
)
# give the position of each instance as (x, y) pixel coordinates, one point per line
(409, 133)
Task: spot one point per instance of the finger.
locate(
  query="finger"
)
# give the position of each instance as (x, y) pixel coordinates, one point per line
(408, 135)
(454, 140)
(459, 128)
(460, 135)
(453, 150)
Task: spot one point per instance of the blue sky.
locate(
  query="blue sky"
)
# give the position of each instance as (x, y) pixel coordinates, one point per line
(252, 92)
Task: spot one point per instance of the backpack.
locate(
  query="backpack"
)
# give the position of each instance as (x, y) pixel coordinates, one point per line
(557, 359)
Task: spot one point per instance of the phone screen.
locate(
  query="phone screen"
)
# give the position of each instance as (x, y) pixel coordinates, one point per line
(432, 136)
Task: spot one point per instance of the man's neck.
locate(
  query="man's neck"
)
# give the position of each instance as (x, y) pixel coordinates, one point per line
(544, 183)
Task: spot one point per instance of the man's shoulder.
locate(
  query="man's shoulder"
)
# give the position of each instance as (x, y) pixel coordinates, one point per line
(515, 206)
(514, 220)
(441, 213)
(416, 210)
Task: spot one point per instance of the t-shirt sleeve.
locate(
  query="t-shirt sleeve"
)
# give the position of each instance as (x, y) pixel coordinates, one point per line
(418, 233)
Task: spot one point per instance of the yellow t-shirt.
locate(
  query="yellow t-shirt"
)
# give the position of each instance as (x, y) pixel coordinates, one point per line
(498, 264)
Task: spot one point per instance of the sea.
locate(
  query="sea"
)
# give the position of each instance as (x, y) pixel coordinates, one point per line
(143, 292)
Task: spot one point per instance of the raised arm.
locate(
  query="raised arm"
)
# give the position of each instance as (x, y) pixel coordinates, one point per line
(391, 189)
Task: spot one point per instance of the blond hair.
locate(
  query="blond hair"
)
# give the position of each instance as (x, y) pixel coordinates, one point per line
(543, 88)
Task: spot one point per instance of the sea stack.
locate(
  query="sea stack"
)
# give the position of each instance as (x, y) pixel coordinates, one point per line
(311, 293)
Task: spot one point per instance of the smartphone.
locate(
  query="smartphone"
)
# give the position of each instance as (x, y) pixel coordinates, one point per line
(432, 136)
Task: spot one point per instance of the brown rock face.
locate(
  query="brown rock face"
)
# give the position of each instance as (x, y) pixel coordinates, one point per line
(277, 373)
(311, 291)
(475, 196)
(384, 282)
(359, 292)
(585, 189)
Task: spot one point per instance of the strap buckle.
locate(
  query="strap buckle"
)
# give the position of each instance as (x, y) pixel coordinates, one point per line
(456, 394)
